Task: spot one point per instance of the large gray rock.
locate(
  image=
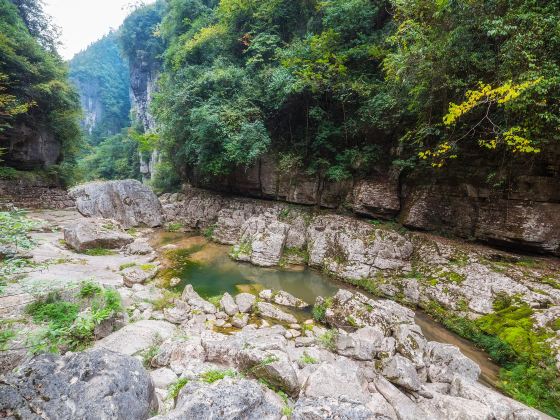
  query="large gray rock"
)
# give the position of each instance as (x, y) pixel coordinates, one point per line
(283, 298)
(95, 233)
(445, 361)
(97, 384)
(138, 275)
(137, 336)
(273, 366)
(230, 398)
(267, 310)
(245, 301)
(228, 304)
(192, 298)
(400, 371)
(129, 202)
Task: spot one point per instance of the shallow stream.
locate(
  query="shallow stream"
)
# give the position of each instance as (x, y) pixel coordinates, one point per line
(213, 273)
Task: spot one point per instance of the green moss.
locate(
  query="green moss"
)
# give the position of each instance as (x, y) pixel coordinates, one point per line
(528, 369)
(53, 310)
(176, 387)
(306, 359)
(127, 265)
(5, 337)
(328, 339)
(318, 311)
(215, 300)
(244, 248)
(89, 289)
(214, 375)
(147, 267)
(300, 253)
(174, 227)
(208, 233)
(165, 301)
(552, 281)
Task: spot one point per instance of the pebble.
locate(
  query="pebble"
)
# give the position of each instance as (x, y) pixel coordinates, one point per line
(295, 326)
(174, 281)
(294, 333)
(220, 323)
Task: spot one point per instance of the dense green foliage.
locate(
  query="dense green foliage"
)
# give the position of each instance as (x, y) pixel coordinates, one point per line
(34, 89)
(116, 157)
(333, 86)
(69, 323)
(529, 371)
(102, 76)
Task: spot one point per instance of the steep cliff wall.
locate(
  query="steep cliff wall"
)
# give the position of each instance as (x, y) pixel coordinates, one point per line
(523, 214)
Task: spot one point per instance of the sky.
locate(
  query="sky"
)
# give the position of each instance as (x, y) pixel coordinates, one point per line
(85, 21)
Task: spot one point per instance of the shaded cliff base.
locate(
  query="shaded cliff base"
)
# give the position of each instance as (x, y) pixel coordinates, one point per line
(524, 215)
(507, 303)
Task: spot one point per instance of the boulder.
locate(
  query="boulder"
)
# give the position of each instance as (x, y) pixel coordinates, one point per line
(245, 302)
(229, 398)
(365, 344)
(137, 336)
(229, 305)
(268, 310)
(129, 202)
(163, 377)
(96, 384)
(273, 366)
(138, 275)
(282, 298)
(239, 320)
(445, 361)
(402, 372)
(192, 298)
(138, 247)
(96, 233)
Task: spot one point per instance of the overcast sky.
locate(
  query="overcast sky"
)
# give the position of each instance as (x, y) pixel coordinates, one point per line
(85, 21)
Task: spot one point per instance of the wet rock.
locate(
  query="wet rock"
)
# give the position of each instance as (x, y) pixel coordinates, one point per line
(445, 361)
(92, 384)
(96, 233)
(245, 301)
(226, 399)
(228, 304)
(138, 275)
(129, 202)
(192, 298)
(240, 320)
(282, 298)
(268, 310)
(136, 337)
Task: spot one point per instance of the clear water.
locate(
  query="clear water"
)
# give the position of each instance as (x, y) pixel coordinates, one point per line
(213, 273)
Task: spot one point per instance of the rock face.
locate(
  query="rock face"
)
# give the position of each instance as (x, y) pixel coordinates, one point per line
(95, 233)
(226, 399)
(129, 202)
(88, 385)
(31, 148)
(457, 199)
(34, 194)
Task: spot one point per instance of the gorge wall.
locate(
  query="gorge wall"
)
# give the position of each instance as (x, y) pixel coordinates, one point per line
(525, 214)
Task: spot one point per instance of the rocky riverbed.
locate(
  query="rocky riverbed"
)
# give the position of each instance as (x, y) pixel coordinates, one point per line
(260, 354)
